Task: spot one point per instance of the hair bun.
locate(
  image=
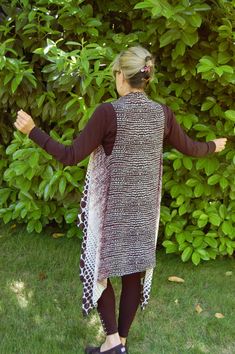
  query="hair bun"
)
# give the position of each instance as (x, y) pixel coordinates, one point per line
(148, 61)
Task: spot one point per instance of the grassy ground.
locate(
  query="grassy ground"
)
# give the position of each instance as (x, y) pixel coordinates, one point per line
(40, 302)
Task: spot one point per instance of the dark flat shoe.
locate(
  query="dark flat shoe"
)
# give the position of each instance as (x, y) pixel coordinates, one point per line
(118, 349)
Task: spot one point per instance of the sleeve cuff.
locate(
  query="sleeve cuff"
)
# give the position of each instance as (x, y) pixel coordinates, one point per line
(211, 146)
(32, 132)
(39, 136)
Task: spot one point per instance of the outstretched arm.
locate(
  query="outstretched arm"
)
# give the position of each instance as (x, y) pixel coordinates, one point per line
(90, 137)
(175, 136)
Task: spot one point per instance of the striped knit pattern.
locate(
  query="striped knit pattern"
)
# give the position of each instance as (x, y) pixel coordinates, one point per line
(120, 206)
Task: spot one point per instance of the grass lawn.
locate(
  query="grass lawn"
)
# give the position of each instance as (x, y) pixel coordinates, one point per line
(40, 301)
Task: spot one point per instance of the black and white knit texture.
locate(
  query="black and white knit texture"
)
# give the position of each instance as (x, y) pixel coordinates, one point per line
(120, 206)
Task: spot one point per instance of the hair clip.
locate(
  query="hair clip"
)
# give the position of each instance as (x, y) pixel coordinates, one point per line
(145, 69)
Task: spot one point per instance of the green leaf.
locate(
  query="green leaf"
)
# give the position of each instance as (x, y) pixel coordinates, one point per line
(31, 225)
(214, 219)
(230, 114)
(4, 194)
(212, 253)
(201, 7)
(187, 162)
(189, 38)
(197, 242)
(180, 200)
(180, 237)
(40, 100)
(213, 179)
(203, 254)
(62, 185)
(192, 182)
(199, 190)
(230, 250)
(167, 243)
(38, 226)
(169, 230)
(169, 37)
(177, 164)
(93, 22)
(227, 228)
(31, 79)
(211, 166)
(165, 214)
(70, 179)
(201, 163)
(23, 213)
(223, 182)
(183, 209)
(11, 149)
(211, 242)
(224, 57)
(71, 216)
(15, 82)
(19, 167)
(196, 258)
(203, 68)
(212, 234)
(179, 49)
(222, 211)
(207, 105)
(47, 191)
(175, 191)
(85, 64)
(226, 69)
(7, 217)
(200, 127)
(143, 5)
(195, 20)
(33, 160)
(183, 245)
(172, 248)
(208, 61)
(24, 194)
(202, 222)
(186, 253)
(48, 172)
(7, 78)
(36, 214)
(25, 185)
(71, 102)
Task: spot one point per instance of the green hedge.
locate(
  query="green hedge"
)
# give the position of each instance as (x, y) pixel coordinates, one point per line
(54, 62)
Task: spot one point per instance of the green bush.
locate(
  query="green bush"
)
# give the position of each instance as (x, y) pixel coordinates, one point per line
(54, 62)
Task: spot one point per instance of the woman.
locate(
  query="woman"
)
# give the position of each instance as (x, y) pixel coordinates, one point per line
(120, 206)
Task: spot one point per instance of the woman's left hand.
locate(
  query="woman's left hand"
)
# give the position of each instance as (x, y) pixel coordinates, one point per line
(24, 122)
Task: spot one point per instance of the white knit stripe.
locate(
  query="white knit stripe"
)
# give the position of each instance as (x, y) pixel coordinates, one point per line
(94, 212)
(147, 282)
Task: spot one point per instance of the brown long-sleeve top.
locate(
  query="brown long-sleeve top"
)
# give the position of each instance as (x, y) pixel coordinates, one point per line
(101, 129)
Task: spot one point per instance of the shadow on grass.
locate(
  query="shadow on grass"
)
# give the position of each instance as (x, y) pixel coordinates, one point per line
(40, 301)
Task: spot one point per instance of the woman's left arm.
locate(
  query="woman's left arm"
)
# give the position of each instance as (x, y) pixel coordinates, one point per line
(90, 137)
(175, 136)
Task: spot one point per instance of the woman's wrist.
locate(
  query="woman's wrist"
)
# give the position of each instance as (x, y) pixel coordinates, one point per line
(31, 129)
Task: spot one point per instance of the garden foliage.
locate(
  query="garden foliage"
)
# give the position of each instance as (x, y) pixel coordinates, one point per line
(54, 64)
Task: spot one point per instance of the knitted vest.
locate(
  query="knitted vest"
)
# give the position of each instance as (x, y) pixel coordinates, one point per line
(120, 206)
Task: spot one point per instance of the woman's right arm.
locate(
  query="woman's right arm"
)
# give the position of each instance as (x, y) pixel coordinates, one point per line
(175, 136)
(89, 138)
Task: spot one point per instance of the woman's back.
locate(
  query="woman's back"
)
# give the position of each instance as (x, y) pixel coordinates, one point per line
(122, 201)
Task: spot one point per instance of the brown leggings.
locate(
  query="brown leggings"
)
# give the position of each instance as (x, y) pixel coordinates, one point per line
(129, 301)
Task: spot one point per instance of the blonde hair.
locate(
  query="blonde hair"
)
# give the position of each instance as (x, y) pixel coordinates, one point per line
(137, 65)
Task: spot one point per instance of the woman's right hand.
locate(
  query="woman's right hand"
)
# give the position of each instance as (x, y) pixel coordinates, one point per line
(220, 144)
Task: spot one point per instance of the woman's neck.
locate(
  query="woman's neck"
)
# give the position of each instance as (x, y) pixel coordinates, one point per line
(132, 91)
